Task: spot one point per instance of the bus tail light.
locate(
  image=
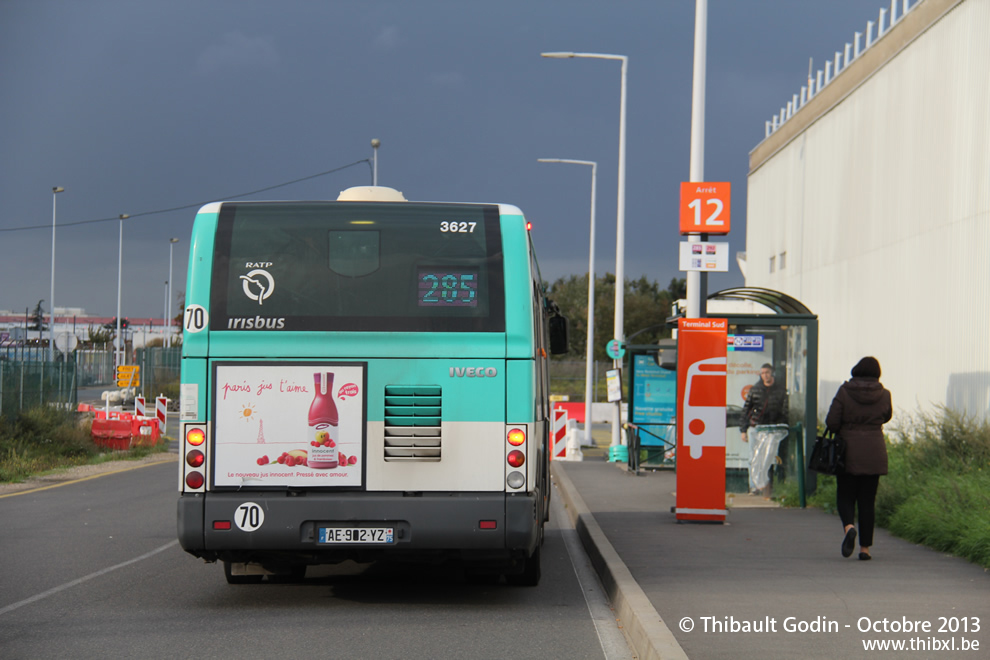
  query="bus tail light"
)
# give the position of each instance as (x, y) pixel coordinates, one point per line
(195, 436)
(515, 456)
(192, 471)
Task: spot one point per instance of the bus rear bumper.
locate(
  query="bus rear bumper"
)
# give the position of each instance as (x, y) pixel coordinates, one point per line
(470, 526)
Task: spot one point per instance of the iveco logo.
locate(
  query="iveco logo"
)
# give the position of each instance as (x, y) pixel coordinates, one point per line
(473, 372)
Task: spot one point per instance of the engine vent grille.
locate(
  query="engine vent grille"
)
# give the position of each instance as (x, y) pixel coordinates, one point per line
(412, 423)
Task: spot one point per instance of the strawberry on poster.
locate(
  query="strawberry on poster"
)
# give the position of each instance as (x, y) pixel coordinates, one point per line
(289, 425)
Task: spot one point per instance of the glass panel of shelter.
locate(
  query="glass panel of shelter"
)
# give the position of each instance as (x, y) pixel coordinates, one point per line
(755, 347)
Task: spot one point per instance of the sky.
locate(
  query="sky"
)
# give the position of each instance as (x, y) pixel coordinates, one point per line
(153, 108)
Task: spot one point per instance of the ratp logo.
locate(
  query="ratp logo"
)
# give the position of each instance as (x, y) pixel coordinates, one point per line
(258, 285)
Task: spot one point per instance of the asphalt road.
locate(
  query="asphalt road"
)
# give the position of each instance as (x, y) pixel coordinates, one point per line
(91, 569)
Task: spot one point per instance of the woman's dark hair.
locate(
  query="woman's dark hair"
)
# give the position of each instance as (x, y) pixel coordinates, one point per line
(868, 367)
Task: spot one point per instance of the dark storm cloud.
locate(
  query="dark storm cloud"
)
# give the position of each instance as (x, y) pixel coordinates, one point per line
(142, 106)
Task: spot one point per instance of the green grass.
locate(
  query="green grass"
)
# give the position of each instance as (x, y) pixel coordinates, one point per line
(937, 490)
(44, 439)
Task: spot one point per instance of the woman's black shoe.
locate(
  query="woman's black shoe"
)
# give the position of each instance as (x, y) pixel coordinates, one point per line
(849, 542)
(864, 556)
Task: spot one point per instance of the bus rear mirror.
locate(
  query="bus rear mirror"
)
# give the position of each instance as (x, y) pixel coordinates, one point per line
(558, 335)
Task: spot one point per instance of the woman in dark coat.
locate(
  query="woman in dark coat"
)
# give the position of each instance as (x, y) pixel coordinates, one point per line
(859, 410)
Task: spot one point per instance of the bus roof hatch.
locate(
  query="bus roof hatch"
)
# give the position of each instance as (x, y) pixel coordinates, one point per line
(370, 194)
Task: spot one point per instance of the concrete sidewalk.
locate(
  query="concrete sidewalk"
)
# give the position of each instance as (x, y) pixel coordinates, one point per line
(736, 590)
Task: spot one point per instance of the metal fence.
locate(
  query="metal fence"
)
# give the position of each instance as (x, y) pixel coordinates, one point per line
(160, 371)
(31, 383)
(28, 380)
(95, 366)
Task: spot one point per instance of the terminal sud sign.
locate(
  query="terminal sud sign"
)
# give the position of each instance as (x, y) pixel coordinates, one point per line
(701, 374)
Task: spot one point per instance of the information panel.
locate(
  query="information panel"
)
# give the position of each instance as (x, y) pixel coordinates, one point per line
(654, 399)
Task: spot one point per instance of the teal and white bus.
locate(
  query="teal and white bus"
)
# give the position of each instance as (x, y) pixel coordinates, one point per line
(365, 379)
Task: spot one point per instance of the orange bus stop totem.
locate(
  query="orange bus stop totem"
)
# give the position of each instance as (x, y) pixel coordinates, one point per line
(701, 372)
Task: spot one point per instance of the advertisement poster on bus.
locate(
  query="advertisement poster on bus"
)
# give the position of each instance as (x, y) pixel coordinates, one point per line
(290, 425)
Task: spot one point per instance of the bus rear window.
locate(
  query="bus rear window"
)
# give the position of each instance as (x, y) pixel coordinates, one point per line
(338, 266)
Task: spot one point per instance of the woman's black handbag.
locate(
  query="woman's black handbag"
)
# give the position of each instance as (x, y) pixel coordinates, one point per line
(828, 456)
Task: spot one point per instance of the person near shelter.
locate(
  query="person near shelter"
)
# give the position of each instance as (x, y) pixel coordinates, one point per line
(766, 403)
(858, 412)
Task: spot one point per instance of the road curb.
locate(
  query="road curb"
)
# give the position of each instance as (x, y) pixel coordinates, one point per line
(649, 635)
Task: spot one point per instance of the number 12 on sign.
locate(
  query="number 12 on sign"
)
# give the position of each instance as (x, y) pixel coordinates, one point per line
(705, 207)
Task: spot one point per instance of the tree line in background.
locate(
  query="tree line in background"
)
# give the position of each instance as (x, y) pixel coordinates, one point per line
(646, 305)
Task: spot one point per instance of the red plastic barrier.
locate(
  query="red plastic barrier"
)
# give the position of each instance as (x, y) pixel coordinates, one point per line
(147, 439)
(111, 434)
(101, 413)
(120, 435)
(575, 409)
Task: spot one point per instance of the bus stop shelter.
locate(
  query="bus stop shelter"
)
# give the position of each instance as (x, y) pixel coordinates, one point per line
(765, 327)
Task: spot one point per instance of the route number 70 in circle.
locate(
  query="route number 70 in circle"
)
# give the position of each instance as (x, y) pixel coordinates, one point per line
(249, 517)
(196, 318)
(705, 207)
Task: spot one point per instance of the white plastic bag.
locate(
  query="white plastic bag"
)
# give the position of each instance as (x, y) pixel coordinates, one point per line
(764, 441)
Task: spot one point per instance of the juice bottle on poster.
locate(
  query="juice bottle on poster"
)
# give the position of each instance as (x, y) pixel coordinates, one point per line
(323, 424)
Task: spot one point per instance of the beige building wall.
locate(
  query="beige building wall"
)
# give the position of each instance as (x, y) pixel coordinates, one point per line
(873, 209)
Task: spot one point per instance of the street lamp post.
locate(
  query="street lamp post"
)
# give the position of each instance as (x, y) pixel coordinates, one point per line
(51, 298)
(620, 219)
(590, 353)
(120, 353)
(168, 310)
(697, 282)
(165, 316)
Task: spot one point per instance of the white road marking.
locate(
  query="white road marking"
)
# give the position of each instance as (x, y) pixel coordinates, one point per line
(85, 578)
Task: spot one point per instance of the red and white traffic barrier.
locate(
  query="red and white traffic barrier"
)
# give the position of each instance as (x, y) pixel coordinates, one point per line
(565, 438)
(161, 411)
(139, 409)
(558, 435)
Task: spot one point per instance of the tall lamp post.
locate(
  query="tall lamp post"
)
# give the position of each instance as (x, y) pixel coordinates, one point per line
(620, 219)
(165, 316)
(168, 312)
(51, 298)
(120, 353)
(697, 282)
(590, 358)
